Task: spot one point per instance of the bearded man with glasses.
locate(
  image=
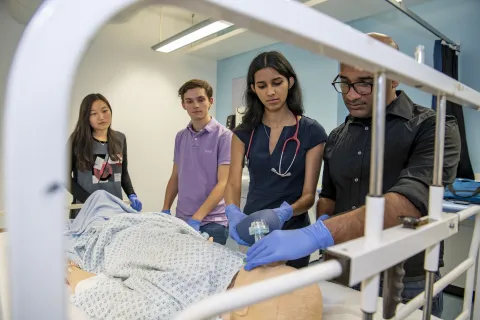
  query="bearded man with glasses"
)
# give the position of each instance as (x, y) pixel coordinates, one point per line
(408, 165)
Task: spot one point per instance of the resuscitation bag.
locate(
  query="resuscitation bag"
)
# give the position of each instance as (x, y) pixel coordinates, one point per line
(269, 216)
(465, 190)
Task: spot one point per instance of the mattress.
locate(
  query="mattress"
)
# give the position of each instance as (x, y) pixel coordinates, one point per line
(340, 303)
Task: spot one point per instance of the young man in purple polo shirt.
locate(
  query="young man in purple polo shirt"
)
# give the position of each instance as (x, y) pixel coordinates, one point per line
(200, 166)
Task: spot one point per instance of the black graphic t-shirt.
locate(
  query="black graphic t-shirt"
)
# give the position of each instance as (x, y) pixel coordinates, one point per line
(106, 174)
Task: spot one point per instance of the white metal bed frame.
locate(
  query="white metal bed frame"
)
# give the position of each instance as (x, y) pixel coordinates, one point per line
(42, 76)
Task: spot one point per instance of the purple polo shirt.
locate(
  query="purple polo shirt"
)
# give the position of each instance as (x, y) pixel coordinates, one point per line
(198, 155)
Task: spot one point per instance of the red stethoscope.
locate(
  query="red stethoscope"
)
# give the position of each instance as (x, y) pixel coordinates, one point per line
(279, 172)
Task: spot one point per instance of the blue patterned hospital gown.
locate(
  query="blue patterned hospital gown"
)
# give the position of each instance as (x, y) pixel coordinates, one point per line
(156, 265)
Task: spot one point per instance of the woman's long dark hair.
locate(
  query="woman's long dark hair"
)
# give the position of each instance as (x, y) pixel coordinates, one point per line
(254, 107)
(82, 138)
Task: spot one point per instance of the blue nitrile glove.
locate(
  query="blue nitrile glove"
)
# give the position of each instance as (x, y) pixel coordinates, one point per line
(284, 245)
(195, 224)
(135, 202)
(234, 216)
(167, 211)
(284, 213)
(324, 217)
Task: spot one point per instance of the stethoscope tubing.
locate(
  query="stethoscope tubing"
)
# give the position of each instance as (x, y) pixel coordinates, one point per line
(293, 138)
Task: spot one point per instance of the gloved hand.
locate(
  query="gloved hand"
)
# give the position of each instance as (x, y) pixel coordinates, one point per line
(269, 216)
(274, 218)
(284, 245)
(167, 211)
(195, 224)
(284, 213)
(135, 202)
(234, 216)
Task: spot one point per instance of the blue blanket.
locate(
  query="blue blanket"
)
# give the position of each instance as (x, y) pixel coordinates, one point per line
(99, 207)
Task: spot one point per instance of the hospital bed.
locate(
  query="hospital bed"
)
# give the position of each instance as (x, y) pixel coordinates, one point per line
(340, 302)
(59, 34)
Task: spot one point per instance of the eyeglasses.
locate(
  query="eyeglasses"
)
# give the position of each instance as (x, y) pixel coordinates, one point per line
(362, 88)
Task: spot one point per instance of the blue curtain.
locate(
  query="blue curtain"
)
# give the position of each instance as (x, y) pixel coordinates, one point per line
(445, 59)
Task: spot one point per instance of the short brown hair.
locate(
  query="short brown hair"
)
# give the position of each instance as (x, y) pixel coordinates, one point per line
(193, 84)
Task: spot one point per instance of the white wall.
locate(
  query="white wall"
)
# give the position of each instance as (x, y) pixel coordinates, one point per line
(141, 86)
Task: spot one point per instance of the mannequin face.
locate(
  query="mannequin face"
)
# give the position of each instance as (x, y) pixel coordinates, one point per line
(302, 304)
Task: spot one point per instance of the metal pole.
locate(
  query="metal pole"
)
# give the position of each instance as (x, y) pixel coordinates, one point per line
(439, 142)
(427, 310)
(476, 304)
(401, 7)
(437, 182)
(375, 204)
(378, 136)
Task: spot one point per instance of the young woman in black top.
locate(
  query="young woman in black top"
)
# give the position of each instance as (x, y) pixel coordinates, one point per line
(98, 154)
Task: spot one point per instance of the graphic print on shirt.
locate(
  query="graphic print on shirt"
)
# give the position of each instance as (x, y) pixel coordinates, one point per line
(106, 170)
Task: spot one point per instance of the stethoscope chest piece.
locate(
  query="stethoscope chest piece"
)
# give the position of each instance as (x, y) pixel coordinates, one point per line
(283, 175)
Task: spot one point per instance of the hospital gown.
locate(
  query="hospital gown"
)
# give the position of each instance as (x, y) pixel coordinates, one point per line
(156, 265)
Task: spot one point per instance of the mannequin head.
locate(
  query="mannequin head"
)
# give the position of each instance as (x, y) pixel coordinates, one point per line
(303, 304)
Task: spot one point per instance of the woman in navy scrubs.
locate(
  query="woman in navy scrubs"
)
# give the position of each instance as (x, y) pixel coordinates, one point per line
(281, 178)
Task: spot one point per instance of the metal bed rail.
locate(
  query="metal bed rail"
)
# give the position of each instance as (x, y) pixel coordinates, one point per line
(393, 240)
(58, 35)
(470, 265)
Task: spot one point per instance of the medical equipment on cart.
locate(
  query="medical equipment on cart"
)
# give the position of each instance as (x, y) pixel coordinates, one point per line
(59, 34)
(294, 138)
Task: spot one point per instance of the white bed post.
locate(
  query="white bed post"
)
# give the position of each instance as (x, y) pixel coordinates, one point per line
(435, 204)
(470, 278)
(35, 132)
(375, 202)
(476, 276)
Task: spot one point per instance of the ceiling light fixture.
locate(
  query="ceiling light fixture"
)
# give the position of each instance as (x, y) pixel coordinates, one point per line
(192, 34)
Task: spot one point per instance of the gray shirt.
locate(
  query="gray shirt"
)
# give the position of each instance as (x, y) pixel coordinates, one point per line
(106, 174)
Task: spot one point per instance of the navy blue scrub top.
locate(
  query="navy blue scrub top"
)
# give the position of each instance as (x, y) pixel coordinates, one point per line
(267, 190)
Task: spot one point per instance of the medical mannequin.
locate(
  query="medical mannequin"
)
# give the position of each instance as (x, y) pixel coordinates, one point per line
(303, 304)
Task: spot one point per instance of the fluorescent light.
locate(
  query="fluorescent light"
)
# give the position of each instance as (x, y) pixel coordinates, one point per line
(192, 34)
